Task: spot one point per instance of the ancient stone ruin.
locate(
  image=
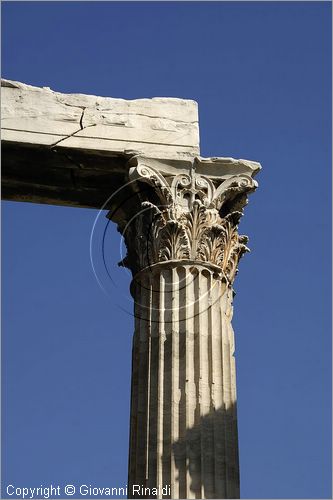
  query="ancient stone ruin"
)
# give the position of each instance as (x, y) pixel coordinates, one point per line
(179, 215)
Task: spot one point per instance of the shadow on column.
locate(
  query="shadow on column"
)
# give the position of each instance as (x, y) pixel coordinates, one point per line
(206, 457)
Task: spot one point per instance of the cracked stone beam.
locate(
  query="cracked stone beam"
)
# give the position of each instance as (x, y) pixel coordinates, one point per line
(72, 149)
(179, 215)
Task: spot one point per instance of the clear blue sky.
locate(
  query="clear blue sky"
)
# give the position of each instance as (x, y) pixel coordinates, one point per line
(261, 73)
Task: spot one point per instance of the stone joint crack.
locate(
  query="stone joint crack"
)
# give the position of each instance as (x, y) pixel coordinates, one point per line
(76, 131)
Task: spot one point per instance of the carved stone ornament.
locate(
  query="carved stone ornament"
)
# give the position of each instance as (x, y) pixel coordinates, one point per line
(186, 216)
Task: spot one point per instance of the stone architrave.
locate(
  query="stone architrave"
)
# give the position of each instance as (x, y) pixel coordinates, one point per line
(183, 245)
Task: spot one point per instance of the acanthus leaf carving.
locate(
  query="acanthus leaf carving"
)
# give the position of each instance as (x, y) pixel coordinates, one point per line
(172, 242)
(190, 217)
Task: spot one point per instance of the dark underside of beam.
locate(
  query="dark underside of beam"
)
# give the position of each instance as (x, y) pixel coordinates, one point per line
(60, 176)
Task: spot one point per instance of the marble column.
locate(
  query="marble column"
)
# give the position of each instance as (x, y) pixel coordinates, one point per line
(183, 250)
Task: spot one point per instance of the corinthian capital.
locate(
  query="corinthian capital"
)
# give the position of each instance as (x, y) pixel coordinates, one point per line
(188, 211)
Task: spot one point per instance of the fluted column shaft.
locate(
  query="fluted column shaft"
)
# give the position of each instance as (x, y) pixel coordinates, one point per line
(180, 225)
(183, 433)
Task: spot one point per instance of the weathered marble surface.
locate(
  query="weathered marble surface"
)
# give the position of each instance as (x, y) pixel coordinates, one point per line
(158, 127)
(76, 150)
